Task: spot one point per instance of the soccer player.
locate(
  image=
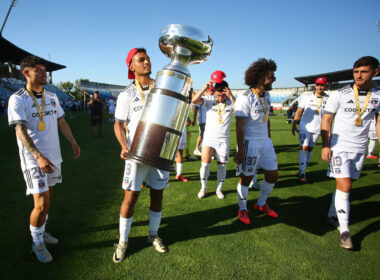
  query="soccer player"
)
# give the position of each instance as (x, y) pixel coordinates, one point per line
(111, 110)
(201, 111)
(344, 145)
(37, 115)
(310, 112)
(96, 107)
(372, 139)
(220, 108)
(253, 137)
(129, 107)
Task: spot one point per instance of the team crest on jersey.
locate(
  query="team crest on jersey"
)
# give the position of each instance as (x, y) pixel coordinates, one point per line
(126, 180)
(375, 101)
(41, 184)
(338, 171)
(52, 102)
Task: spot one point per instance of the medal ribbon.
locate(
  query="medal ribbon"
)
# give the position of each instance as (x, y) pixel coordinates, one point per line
(220, 110)
(262, 105)
(141, 91)
(359, 111)
(316, 101)
(42, 110)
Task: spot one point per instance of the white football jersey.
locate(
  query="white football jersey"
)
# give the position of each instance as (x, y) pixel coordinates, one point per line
(248, 106)
(214, 129)
(129, 108)
(21, 109)
(346, 136)
(310, 120)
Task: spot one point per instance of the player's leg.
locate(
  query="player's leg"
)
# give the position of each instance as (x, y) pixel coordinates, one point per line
(179, 166)
(342, 204)
(332, 218)
(371, 148)
(221, 154)
(200, 138)
(304, 141)
(207, 153)
(134, 175)
(313, 141)
(268, 162)
(242, 193)
(157, 180)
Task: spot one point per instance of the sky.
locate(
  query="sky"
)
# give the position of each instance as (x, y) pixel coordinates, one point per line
(92, 38)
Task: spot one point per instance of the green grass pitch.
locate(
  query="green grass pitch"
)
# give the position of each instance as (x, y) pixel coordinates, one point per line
(204, 237)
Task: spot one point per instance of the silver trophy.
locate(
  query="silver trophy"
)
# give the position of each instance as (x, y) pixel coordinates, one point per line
(167, 106)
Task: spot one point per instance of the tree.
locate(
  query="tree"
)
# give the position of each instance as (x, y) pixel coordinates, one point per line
(67, 87)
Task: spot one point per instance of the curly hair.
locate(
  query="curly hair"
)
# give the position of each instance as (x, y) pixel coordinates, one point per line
(258, 70)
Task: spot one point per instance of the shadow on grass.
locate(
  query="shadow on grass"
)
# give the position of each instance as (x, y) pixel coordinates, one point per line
(303, 212)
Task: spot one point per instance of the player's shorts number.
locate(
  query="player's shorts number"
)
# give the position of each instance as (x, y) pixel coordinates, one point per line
(128, 168)
(337, 161)
(251, 161)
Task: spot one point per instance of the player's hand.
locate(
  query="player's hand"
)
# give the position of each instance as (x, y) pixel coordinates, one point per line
(294, 130)
(124, 152)
(45, 165)
(76, 150)
(239, 157)
(228, 92)
(326, 154)
(208, 85)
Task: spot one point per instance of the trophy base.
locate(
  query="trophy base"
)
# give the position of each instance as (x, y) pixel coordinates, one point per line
(161, 164)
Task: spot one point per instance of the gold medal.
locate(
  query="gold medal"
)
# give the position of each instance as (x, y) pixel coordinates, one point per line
(220, 121)
(265, 118)
(317, 112)
(358, 121)
(41, 126)
(360, 112)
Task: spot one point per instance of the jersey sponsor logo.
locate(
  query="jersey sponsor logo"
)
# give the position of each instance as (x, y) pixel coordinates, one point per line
(375, 101)
(46, 113)
(350, 101)
(138, 108)
(354, 109)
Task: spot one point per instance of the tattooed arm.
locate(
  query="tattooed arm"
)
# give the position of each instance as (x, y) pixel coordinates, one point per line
(22, 134)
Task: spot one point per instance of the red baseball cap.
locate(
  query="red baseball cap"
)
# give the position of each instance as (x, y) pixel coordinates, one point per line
(211, 88)
(321, 80)
(130, 55)
(218, 76)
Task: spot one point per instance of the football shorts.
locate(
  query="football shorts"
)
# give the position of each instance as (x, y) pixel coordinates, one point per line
(135, 174)
(38, 181)
(345, 165)
(221, 147)
(307, 138)
(257, 153)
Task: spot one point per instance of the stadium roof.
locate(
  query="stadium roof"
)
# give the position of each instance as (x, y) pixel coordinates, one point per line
(337, 76)
(11, 53)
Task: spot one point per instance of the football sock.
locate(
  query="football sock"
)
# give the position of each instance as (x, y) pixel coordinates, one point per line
(154, 222)
(124, 228)
(371, 146)
(265, 190)
(221, 175)
(37, 234)
(342, 204)
(242, 193)
(308, 157)
(332, 210)
(179, 168)
(302, 161)
(204, 173)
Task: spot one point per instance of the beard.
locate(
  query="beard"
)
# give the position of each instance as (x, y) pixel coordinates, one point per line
(268, 87)
(148, 73)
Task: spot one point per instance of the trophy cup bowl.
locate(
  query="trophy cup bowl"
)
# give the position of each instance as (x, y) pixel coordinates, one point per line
(167, 106)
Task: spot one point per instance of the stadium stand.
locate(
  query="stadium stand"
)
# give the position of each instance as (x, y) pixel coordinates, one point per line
(106, 91)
